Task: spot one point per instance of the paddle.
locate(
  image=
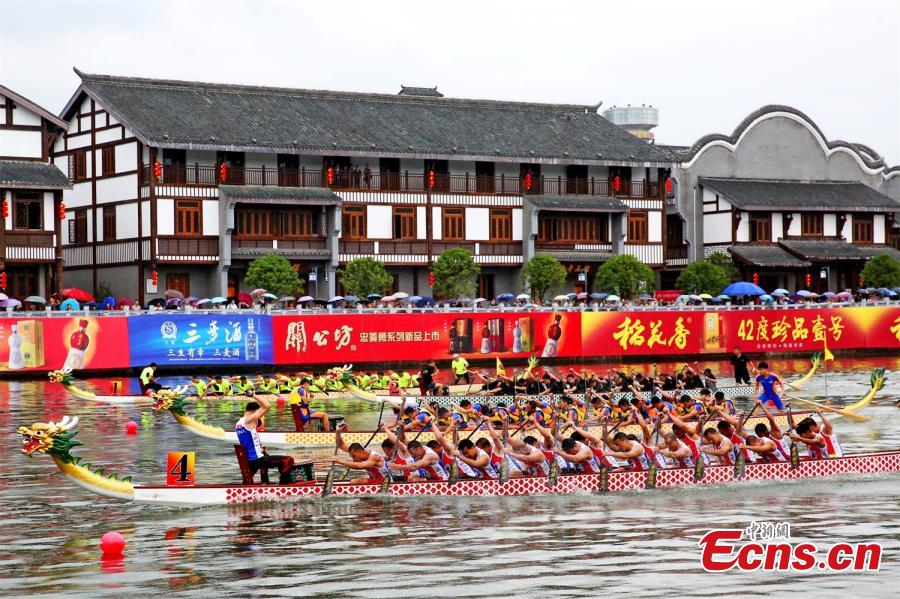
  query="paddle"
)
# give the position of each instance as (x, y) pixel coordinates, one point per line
(454, 465)
(844, 413)
(700, 465)
(654, 466)
(795, 453)
(553, 475)
(504, 465)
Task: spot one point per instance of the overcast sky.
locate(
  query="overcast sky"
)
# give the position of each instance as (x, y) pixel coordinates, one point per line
(706, 65)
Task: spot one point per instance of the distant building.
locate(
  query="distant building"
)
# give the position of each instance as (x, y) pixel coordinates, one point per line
(31, 193)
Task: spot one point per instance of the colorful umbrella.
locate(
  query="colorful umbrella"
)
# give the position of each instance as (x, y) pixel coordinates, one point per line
(401, 295)
(69, 303)
(374, 296)
(244, 298)
(523, 296)
(256, 292)
(743, 288)
(505, 297)
(174, 293)
(613, 298)
(306, 298)
(3, 296)
(10, 303)
(35, 299)
(77, 294)
(217, 300)
(124, 301)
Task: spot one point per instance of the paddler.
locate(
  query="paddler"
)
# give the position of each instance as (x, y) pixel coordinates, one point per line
(723, 405)
(420, 462)
(677, 452)
(821, 443)
(374, 464)
(220, 387)
(771, 385)
(414, 419)
(200, 386)
(248, 437)
(768, 441)
(301, 397)
(267, 385)
(148, 379)
(245, 386)
(719, 446)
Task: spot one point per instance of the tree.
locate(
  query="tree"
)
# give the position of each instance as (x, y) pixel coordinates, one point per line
(625, 276)
(726, 263)
(881, 271)
(541, 274)
(274, 274)
(703, 277)
(364, 276)
(455, 272)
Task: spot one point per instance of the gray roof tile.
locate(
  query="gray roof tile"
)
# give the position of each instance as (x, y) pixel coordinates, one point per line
(577, 256)
(767, 256)
(825, 249)
(299, 195)
(822, 196)
(579, 203)
(24, 174)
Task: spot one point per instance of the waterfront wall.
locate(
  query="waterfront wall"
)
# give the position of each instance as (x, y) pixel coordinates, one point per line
(246, 338)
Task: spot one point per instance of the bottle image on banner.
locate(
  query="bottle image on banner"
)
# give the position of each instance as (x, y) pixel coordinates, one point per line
(461, 336)
(553, 335)
(517, 339)
(498, 335)
(251, 343)
(15, 350)
(526, 325)
(486, 339)
(78, 342)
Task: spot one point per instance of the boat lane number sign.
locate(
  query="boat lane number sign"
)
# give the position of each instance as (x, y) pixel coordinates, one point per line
(180, 469)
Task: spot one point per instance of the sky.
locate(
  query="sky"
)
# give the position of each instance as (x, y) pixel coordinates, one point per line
(705, 65)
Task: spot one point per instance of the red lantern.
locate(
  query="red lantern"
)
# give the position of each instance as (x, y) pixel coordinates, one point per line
(431, 279)
(154, 277)
(431, 179)
(668, 185)
(62, 211)
(157, 169)
(617, 183)
(528, 181)
(808, 279)
(5, 209)
(223, 172)
(330, 175)
(756, 278)
(2, 280)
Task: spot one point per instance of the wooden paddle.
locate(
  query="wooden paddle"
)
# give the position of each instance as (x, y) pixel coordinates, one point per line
(454, 465)
(844, 413)
(504, 465)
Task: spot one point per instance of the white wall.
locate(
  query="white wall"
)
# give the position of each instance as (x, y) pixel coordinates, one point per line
(717, 228)
(878, 229)
(126, 221)
(847, 231)
(378, 222)
(165, 217)
(829, 228)
(126, 157)
(654, 226)
(116, 189)
(145, 218)
(108, 135)
(796, 226)
(517, 224)
(421, 225)
(78, 196)
(26, 144)
(50, 215)
(23, 116)
(210, 217)
(437, 225)
(478, 224)
(743, 229)
(777, 226)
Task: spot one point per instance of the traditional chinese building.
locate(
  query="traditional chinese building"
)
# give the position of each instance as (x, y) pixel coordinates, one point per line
(31, 193)
(191, 181)
(793, 208)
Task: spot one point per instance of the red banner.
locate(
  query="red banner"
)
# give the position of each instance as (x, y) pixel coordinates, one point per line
(51, 343)
(359, 338)
(640, 333)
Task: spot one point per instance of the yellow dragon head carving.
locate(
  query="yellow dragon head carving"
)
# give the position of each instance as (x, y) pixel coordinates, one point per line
(52, 437)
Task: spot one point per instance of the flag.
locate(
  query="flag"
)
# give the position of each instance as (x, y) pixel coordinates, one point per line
(500, 370)
(828, 354)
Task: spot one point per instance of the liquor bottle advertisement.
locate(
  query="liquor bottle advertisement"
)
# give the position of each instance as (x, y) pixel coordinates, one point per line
(55, 343)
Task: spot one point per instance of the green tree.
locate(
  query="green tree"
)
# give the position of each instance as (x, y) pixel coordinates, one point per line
(881, 271)
(702, 277)
(455, 272)
(726, 263)
(364, 276)
(541, 274)
(274, 274)
(625, 276)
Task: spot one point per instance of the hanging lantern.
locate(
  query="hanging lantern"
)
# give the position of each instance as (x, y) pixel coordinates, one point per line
(668, 185)
(330, 175)
(431, 279)
(62, 211)
(2, 280)
(528, 181)
(808, 279)
(431, 179)
(617, 183)
(223, 172)
(154, 277)
(5, 209)
(157, 169)
(756, 278)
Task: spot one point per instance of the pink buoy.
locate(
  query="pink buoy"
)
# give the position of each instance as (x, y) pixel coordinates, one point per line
(131, 427)
(112, 543)
(280, 402)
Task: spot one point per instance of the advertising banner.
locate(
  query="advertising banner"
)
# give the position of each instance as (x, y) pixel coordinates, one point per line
(202, 339)
(349, 338)
(641, 333)
(78, 343)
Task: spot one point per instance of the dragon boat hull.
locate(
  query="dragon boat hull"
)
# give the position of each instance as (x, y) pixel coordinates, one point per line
(208, 495)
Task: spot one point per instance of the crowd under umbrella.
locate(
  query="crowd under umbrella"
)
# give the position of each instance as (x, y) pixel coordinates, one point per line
(400, 295)
(69, 304)
(174, 302)
(373, 296)
(10, 302)
(3, 296)
(766, 298)
(613, 299)
(35, 299)
(599, 296)
(829, 294)
(645, 296)
(722, 298)
(76, 294)
(505, 297)
(157, 301)
(561, 298)
(107, 303)
(743, 288)
(780, 293)
(523, 296)
(218, 300)
(174, 293)
(126, 301)
(424, 301)
(805, 293)
(844, 295)
(259, 291)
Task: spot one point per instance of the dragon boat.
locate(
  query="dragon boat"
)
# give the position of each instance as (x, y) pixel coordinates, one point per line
(58, 439)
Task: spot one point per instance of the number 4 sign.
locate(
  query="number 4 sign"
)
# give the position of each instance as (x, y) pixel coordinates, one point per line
(180, 469)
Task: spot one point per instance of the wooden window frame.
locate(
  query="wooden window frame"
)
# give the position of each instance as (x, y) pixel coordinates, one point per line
(404, 225)
(253, 223)
(299, 224)
(760, 223)
(812, 224)
(183, 225)
(109, 223)
(638, 226)
(78, 165)
(353, 223)
(869, 221)
(109, 160)
(500, 224)
(78, 227)
(581, 228)
(24, 199)
(453, 224)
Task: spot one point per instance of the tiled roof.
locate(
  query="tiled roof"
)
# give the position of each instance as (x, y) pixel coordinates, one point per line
(33, 107)
(675, 153)
(286, 252)
(579, 203)
(826, 249)
(24, 174)
(193, 115)
(767, 256)
(433, 92)
(577, 256)
(272, 193)
(761, 194)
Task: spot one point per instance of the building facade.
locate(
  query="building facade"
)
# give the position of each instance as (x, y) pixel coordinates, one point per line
(793, 208)
(192, 181)
(31, 193)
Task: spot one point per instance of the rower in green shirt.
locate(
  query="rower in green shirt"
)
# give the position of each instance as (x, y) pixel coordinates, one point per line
(221, 387)
(199, 385)
(246, 387)
(404, 380)
(148, 379)
(267, 385)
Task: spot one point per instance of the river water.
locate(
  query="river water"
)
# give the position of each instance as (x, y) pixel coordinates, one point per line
(642, 543)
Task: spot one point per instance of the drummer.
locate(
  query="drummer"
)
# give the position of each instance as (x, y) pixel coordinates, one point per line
(301, 397)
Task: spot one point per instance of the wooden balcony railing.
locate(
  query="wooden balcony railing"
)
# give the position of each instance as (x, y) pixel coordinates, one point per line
(406, 181)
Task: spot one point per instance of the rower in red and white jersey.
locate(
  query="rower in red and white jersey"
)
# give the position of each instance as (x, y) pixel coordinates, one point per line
(373, 464)
(818, 445)
(768, 442)
(719, 446)
(831, 441)
(501, 451)
(676, 451)
(623, 448)
(650, 450)
(580, 455)
(688, 434)
(477, 458)
(420, 462)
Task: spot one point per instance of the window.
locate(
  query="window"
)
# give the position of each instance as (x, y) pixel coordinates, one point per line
(29, 211)
(573, 229)
(389, 171)
(109, 160)
(454, 224)
(254, 223)
(78, 228)
(812, 224)
(288, 170)
(174, 163)
(441, 170)
(179, 281)
(484, 177)
(299, 223)
(486, 285)
(404, 222)
(760, 228)
(863, 229)
(353, 222)
(78, 165)
(576, 178)
(637, 227)
(188, 220)
(109, 223)
(501, 224)
(235, 163)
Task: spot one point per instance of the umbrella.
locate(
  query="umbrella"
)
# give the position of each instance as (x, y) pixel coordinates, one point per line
(10, 303)
(124, 301)
(156, 300)
(351, 298)
(599, 296)
(805, 293)
(425, 301)
(69, 303)
(35, 299)
(306, 298)
(3, 296)
(844, 295)
(191, 298)
(829, 294)
(217, 300)
(205, 300)
(523, 296)
(287, 298)
(478, 300)
(582, 295)
(561, 298)
(613, 298)
(108, 303)
(683, 298)
(766, 298)
(270, 296)
(694, 297)
(244, 298)
(646, 296)
(174, 293)
(743, 288)
(506, 297)
(173, 301)
(723, 298)
(571, 295)
(256, 292)
(780, 292)
(337, 298)
(374, 296)
(77, 294)
(413, 299)
(401, 295)
(705, 296)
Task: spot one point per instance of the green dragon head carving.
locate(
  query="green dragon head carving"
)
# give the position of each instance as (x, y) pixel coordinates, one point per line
(344, 374)
(61, 376)
(55, 438)
(876, 379)
(169, 399)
